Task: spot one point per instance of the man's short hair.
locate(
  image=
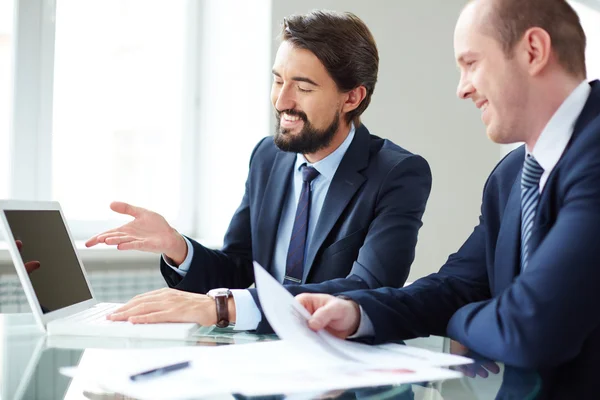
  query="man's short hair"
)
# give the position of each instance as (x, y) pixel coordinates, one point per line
(345, 46)
(508, 20)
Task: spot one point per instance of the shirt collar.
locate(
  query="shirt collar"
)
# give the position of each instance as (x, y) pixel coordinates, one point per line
(329, 164)
(556, 135)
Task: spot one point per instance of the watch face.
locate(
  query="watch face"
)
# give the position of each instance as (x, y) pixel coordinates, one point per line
(219, 292)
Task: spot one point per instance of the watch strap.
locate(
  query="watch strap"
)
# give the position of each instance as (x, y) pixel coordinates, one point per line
(222, 311)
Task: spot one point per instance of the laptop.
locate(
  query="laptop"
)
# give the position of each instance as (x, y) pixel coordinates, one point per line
(59, 291)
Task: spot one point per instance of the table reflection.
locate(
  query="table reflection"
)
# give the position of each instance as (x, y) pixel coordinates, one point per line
(31, 364)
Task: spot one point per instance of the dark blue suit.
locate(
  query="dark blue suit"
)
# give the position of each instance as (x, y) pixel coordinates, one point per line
(365, 236)
(546, 318)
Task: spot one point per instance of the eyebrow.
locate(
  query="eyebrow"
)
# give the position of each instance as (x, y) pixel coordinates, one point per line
(461, 59)
(298, 79)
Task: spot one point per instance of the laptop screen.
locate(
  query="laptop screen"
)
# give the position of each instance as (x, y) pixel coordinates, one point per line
(49, 257)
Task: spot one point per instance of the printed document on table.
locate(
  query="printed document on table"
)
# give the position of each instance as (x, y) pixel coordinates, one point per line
(252, 369)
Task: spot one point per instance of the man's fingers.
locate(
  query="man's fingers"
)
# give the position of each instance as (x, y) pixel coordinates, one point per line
(137, 310)
(129, 305)
(118, 232)
(125, 208)
(155, 296)
(491, 366)
(468, 371)
(133, 245)
(120, 311)
(313, 301)
(32, 266)
(99, 238)
(307, 301)
(323, 316)
(121, 208)
(155, 317)
(116, 240)
(482, 372)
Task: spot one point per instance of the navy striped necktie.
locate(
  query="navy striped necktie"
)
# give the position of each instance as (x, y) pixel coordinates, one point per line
(530, 197)
(294, 266)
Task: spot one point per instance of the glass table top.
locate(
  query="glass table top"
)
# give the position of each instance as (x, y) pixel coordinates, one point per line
(31, 361)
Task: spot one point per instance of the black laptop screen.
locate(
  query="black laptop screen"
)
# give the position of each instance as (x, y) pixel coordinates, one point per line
(49, 257)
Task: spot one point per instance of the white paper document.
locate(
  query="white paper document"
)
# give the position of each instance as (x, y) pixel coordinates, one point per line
(303, 361)
(251, 369)
(289, 319)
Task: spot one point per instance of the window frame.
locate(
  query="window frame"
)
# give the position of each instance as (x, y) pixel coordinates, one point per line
(30, 134)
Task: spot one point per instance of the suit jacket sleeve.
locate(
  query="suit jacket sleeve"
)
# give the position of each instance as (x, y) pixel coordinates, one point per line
(425, 307)
(388, 250)
(230, 267)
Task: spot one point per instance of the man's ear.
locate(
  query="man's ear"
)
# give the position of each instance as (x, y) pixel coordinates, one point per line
(536, 50)
(353, 99)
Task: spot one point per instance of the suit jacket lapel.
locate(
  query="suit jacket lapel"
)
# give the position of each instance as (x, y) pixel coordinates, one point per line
(590, 111)
(345, 183)
(272, 206)
(508, 246)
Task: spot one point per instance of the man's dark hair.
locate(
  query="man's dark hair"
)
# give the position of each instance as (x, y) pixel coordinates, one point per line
(345, 46)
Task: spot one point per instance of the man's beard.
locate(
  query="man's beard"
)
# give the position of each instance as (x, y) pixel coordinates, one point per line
(309, 140)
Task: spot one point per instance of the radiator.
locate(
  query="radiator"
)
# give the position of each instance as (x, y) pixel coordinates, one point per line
(108, 286)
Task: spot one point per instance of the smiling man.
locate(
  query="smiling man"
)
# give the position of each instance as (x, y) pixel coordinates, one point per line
(524, 288)
(328, 207)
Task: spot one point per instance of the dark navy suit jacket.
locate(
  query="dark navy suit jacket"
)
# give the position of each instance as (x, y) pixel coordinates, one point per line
(365, 236)
(545, 319)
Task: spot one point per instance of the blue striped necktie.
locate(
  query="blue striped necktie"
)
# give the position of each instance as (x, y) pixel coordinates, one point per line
(530, 197)
(294, 266)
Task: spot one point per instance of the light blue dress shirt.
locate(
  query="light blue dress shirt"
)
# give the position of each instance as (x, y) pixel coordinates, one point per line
(247, 313)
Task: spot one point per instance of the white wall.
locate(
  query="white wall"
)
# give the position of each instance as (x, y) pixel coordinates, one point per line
(415, 106)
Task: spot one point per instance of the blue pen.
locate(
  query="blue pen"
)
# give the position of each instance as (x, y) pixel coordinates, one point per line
(159, 371)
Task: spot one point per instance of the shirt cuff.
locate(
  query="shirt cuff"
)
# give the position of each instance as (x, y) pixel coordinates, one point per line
(247, 314)
(185, 265)
(365, 327)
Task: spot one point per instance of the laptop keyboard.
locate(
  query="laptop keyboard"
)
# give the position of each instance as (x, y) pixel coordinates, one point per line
(93, 322)
(95, 315)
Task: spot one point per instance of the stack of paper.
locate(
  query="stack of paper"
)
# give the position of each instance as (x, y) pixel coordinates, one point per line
(303, 361)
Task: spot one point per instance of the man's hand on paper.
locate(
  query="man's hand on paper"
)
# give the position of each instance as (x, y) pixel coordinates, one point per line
(148, 231)
(339, 317)
(479, 367)
(171, 305)
(31, 265)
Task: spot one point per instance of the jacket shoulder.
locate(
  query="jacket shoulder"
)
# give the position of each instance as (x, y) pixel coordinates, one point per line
(386, 156)
(511, 164)
(264, 152)
(502, 178)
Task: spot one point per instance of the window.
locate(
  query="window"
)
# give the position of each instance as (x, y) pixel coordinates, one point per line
(119, 109)
(6, 58)
(155, 103)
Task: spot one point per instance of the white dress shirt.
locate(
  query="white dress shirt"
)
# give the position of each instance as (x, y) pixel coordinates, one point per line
(547, 151)
(248, 315)
(556, 135)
